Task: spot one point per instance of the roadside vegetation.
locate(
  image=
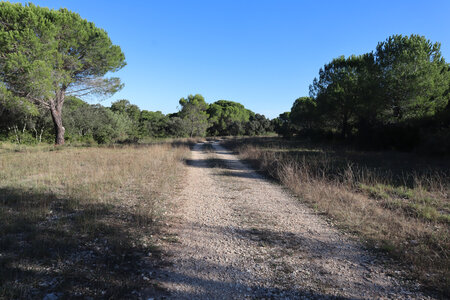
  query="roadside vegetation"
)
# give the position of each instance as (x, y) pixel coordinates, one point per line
(84, 221)
(79, 219)
(396, 97)
(126, 123)
(395, 202)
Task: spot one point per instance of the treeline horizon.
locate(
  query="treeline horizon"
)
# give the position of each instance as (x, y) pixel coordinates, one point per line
(124, 122)
(394, 98)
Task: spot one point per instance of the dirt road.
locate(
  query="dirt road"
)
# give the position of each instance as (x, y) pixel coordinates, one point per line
(240, 236)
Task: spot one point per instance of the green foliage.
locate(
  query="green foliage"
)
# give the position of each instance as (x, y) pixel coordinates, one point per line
(21, 121)
(342, 93)
(283, 125)
(153, 124)
(132, 112)
(116, 127)
(227, 118)
(304, 113)
(10, 103)
(396, 98)
(48, 54)
(194, 115)
(125, 107)
(176, 126)
(414, 77)
(258, 125)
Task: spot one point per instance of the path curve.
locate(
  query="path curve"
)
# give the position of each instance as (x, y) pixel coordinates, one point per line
(240, 236)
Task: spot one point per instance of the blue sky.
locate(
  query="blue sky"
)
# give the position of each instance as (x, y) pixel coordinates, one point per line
(263, 54)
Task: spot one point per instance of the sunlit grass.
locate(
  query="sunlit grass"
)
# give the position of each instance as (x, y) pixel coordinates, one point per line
(396, 202)
(68, 215)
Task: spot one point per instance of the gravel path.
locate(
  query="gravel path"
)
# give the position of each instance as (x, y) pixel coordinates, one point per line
(240, 236)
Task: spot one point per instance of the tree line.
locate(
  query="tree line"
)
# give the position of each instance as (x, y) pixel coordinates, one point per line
(124, 122)
(396, 97)
(52, 59)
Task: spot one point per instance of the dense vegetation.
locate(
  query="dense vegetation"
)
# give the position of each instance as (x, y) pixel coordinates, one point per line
(394, 98)
(125, 122)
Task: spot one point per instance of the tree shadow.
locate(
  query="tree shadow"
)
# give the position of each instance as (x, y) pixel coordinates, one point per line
(202, 288)
(226, 152)
(61, 246)
(197, 276)
(211, 163)
(70, 248)
(248, 175)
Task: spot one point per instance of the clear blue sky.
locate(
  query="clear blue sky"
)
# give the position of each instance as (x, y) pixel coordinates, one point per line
(263, 54)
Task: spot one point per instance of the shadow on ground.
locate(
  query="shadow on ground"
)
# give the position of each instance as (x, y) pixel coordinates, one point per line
(64, 247)
(280, 286)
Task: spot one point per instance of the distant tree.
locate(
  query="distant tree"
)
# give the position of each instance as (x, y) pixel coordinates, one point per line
(227, 118)
(80, 118)
(48, 54)
(124, 106)
(415, 78)
(283, 125)
(86, 123)
(132, 112)
(338, 92)
(304, 113)
(176, 126)
(153, 123)
(111, 127)
(258, 125)
(194, 114)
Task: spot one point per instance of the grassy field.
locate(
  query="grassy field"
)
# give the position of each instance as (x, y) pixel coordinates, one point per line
(395, 202)
(83, 221)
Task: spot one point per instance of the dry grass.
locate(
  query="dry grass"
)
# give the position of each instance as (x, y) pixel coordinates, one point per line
(83, 221)
(395, 202)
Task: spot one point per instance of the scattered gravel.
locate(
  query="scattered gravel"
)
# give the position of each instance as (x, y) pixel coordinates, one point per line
(237, 235)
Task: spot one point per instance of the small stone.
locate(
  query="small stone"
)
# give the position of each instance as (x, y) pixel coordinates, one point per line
(51, 296)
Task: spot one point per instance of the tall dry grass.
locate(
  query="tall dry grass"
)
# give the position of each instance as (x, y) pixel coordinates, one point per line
(79, 220)
(139, 177)
(406, 214)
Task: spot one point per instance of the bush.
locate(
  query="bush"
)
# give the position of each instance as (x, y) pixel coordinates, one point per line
(20, 137)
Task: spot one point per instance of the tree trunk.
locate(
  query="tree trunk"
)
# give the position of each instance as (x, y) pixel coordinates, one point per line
(40, 135)
(56, 110)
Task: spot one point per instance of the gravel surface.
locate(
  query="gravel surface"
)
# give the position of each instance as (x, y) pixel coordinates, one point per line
(240, 236)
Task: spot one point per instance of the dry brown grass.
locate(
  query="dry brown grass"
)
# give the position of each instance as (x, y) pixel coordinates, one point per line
(393, 207)
(83, 221)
